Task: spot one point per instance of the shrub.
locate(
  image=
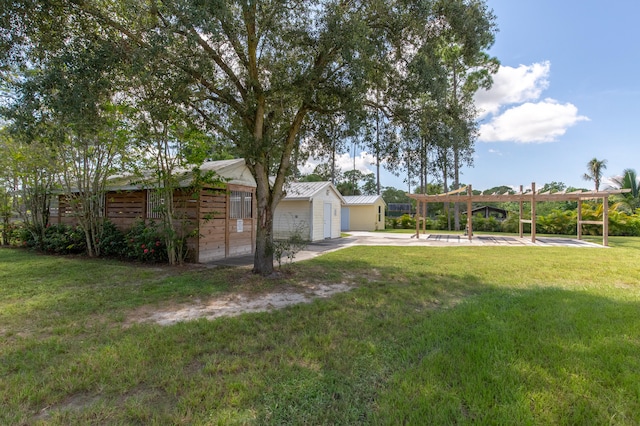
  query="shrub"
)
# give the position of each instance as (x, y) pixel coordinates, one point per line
(557, 222)
(441, 222)
(289, 247)
(490, 224)
(64, 239)
(623, 224)
(511, 225)
(407, 222)
(21, 237)
(112, 242)
(427, 223)
(144, 242)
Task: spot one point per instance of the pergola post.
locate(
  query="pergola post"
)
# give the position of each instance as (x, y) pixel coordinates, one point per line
(579, 219)
(605, 221)
(520, 223)
(533, 212)
(424, 218)
(418, 208)
(579, 196)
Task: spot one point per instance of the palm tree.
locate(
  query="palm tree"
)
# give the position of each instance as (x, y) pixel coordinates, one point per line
(629, 180)
(595, 168)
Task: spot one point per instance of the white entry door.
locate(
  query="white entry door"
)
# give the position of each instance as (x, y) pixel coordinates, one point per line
(327, 220)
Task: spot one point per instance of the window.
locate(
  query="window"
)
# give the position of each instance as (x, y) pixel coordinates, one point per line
(155, 204)
(240, 205)
(379, 214)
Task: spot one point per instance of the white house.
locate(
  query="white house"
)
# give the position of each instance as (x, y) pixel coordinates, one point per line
(312, 209)
(363, 213)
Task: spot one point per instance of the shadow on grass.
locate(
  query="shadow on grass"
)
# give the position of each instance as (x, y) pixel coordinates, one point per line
(403, 346)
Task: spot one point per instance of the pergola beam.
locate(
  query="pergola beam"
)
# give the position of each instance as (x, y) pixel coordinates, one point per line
(521, 197)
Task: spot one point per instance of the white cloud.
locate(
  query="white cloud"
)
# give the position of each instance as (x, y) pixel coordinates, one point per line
(495, 151)
(514, 86)
(515, 112)
(530, 122)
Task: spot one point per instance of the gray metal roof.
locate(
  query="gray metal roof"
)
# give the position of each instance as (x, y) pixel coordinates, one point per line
(231, 171)
(308, 190)
(362, 200)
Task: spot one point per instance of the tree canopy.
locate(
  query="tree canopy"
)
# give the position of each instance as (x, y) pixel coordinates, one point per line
(252, 73)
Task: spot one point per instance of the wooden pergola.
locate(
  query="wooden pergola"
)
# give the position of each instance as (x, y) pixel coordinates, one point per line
(465, 195)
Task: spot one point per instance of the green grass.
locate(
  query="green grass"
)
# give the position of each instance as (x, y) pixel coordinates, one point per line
(483, 335)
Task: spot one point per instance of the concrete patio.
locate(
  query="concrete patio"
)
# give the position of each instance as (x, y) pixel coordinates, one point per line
(361, 238)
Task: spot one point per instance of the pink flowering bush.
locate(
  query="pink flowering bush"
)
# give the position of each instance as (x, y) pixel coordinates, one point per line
(144, 242)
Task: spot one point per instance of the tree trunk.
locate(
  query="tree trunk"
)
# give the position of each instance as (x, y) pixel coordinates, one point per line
(263, 258)
(456, 185)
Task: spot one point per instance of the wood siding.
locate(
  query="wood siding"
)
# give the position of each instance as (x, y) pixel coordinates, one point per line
(217, 236)
(124, 208)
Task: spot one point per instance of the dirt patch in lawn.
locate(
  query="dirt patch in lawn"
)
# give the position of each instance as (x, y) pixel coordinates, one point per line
(235, 304)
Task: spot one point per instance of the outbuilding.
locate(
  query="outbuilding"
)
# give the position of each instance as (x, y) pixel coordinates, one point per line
(363, 213)
(310, 209)
(220, 218)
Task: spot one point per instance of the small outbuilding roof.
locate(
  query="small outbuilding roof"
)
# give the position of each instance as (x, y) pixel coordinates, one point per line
(233, 172)
(362, 200)
(308, 190)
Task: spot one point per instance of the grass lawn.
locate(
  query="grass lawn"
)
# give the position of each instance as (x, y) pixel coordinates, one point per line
(438, 335)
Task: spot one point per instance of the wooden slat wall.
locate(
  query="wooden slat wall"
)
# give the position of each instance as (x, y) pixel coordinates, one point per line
(243, 242)
(124, 208)
(212, 219)
(185, 204)
(65, 214)
(208, 212)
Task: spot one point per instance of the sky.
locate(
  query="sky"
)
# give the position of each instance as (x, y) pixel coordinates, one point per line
(567, 91)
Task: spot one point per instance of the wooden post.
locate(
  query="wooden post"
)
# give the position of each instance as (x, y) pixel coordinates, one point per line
(227, 222)
(520, 223)
(579, 219)
(605, 220)
(418, 207)
(533, 212)
(469, 218)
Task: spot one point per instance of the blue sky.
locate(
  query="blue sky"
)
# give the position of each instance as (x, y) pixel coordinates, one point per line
(567, 91)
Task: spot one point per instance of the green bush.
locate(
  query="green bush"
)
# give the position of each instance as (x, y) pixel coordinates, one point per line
(113, 242)
(407, 222)
(429, 224)
(557, 222)
(441, 222)
(60, 239)
(623, 224)
(490, 224)
(64, 239)
(21, 237)
(511, 225)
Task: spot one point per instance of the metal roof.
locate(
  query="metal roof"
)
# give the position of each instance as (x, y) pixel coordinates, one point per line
(362, 200)
(308, 190)
(230, 171)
